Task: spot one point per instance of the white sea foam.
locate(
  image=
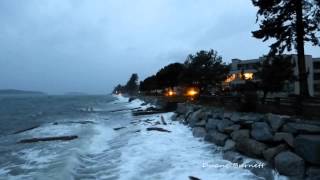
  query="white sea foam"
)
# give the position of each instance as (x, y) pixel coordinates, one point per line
(99, 140)
(176, 155)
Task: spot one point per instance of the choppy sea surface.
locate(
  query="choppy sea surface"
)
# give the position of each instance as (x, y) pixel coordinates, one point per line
(100, 151)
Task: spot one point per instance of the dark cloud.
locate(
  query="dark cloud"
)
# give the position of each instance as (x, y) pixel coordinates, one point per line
(91, 45)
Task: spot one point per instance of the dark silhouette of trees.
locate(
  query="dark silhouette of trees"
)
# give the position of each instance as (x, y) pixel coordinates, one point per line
(291, 23)
(274, 74)
(204, 69)
(132, 86)
(118, 89)
(149, 84)
(169, 76)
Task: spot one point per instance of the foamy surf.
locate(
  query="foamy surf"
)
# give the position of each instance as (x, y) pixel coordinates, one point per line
(116, 145)
(176, 155)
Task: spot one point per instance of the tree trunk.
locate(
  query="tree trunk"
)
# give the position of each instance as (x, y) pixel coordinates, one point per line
(264, 97)
(303, 76)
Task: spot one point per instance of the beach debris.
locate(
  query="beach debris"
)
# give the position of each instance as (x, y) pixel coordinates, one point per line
(27, 129)
(163, 121)
(194, 178)
(118, 128)
(126, 109)
(56, 138)
(157, 129)
(74, 122)
(131, 99)
(148, 112)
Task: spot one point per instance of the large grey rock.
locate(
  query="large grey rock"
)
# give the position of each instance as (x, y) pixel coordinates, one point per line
(233, 157)
(250, 147)
(235, 117)
(261, 131)
(246, 124)
(183, 108)
(313, 171)
(251, 117)
(218, 114)
(240, 134)
(223, 124)
(216, 138)
(230, 145)
(312, 178)
(199, 132)
(260, 169)
(284, 137)
(201, 123)
(227, 115)
(301, 128)
(196, 117)
(289, 164)
(231, 128)
(275, 122)
(270, 153)
(308, 147)
(178, 117)
(212, 124)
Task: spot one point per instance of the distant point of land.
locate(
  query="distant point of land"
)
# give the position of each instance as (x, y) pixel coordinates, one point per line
(19, 92)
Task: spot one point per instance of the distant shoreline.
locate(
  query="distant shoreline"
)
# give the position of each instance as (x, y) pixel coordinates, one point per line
(19, 92)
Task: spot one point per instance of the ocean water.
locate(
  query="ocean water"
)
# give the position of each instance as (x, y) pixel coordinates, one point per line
(100, 152)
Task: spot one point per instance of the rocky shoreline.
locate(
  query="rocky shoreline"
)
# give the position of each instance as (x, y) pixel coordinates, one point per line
(289, 145)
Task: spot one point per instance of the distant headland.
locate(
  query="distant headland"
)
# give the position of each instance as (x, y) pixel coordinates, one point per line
(19, 92)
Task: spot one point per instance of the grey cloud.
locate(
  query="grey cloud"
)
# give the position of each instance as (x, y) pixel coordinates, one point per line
(91, 45)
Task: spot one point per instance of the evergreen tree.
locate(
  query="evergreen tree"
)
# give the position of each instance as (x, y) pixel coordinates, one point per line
(118, 89)
(132, 85)
(149, 84)
(291, 23)
(204, 69)
(169, 75)
(274, 73)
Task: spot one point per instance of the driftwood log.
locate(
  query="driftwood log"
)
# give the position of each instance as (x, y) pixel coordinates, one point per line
(27, 129)
(56, 138)
(157, 129)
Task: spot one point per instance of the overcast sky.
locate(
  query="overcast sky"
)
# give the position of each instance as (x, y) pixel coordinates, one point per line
(89, 46)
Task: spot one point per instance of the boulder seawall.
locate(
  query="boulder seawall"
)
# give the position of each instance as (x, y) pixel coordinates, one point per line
(289, 145)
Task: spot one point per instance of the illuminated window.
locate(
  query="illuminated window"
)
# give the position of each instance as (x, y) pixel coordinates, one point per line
(230, 78)
(248, 76)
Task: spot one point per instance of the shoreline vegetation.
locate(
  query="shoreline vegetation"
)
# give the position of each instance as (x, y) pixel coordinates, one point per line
(287, 144)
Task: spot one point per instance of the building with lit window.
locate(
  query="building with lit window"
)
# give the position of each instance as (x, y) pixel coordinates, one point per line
(242, 70)
(316, 76)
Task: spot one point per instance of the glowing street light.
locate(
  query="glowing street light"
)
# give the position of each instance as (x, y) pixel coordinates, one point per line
(170, 92)
(192, 92)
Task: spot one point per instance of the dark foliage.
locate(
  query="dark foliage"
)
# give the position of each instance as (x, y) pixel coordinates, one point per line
(149, 84)
(204, 69)
(169, 75)
(132, 85)
(130, 88)
(118, 89)
(290, 23)
(275, 73)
